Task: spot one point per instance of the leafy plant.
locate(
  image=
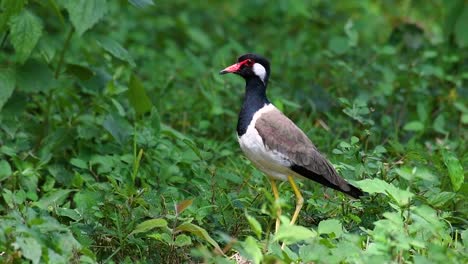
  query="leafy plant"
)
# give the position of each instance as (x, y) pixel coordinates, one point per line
(117, 139)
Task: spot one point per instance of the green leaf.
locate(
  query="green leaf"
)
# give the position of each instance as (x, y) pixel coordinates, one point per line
(149, 225)
(338, 45)
(79, 163)
(251, 250)
(455, 169)
(8, 9)
(138, 97)
(84, 14)
(34, 76)
(461, 36)
(255, 225)
(7, 84)
(372, 185)
(464, 119)
(116, 50)
(330, 226)
(82, 72)
(439, 199)
(26, 29)
(414, 126)
(5, 170)
(439, 124)
(141, 3)
(199, 232)
(85, 200)
(117, 127)
(30, 248)
(464, 237)
(54, 198)
(164, 237)
(291, 234)
(183, 240)
(402, 197)
(70, 213)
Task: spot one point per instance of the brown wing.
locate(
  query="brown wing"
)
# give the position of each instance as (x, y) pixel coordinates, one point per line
(281, 134)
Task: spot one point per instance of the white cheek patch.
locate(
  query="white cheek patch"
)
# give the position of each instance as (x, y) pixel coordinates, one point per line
(260, 71)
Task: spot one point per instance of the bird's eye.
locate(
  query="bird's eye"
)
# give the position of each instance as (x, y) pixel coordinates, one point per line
(249, 62)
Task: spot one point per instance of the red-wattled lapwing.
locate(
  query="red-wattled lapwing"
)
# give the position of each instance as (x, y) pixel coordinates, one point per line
(273, 142)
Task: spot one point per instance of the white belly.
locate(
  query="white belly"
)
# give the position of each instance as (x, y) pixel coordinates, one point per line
(273, 163)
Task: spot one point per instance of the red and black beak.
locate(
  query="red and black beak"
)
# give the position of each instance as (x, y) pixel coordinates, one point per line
(231, 69)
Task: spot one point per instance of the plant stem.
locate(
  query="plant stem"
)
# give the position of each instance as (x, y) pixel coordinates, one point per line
(4, 39)
(62, 52)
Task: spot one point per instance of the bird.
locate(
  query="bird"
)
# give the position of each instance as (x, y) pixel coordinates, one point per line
(274, 143)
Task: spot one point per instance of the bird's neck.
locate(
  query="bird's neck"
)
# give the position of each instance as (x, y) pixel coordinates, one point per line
(254, 99)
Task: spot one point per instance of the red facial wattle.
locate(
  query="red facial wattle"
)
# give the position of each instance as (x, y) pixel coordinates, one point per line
(236, 67)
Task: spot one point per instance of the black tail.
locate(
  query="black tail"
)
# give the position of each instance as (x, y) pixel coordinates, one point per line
(342, 185)
(354, 192)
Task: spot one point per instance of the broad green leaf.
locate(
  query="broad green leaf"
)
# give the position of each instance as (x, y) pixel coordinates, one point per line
(461, 35)
(439, 199)
(255, 225)
(410, 174)
(312, 253)
(8, 9)
(180, 207)
(414, 126)
(117, 127)
(70, 213)
(402, 197)
(7, 85)
(165, 237)
(183, 240)
(251, 250)
(372, 185)
(54, 198)
(82, 72)
(464, 119)
(330, 226)
(86, 199)
(439, 124)
(84, 14)
(141, 3)
(5, 170)
(30, 248)
(455, 169)
(423, 111)
(79, 163)
(138, 97)
(199, 232)
(460, 106)
(338, 45)
(149, 225)
(34, 76)
(26, 29)
(116, 50)
(464, 236)
(292, 233)
(8, 151)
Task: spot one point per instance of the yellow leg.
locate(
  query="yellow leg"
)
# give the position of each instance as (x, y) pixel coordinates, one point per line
(299, 199)
(277, 205)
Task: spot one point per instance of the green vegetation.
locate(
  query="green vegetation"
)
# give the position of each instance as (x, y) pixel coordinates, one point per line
(117, 135)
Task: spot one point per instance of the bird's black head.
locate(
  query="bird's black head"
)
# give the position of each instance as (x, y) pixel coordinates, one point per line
(250, 66)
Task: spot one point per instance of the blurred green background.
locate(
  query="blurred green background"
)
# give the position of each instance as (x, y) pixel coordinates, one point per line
(118, 145)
